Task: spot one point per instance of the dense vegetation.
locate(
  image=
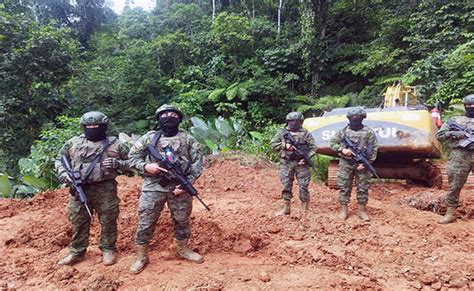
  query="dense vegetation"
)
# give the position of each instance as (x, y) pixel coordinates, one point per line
(250, 61)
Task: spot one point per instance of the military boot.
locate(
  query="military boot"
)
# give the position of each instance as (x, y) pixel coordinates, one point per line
(286, 208)
(343, 212)
(141, 261)
(304, 205)
(448, 217)
(71, 259)
(363, 213)
(108, 257)
(185, 253)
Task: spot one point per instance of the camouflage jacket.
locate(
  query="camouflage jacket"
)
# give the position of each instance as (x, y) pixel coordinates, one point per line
(82, 152)
(186, 150)
(364, 139)
(444, 134)
(302, 137)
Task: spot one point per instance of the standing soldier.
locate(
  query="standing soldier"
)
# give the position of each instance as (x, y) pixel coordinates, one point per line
(158, 190)
(97, 157)
(461, 158)
(292, 164)
(365, 140)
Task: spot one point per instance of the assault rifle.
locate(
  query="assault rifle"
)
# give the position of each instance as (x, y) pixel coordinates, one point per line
(291, 140)
(175, 173)
(76, 183)
(468, 133)
(358, 156)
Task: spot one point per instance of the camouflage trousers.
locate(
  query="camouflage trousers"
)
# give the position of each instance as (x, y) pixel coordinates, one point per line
(104, 200)
(288, 170)
(460, 165)
(345, 176)
(149, 209)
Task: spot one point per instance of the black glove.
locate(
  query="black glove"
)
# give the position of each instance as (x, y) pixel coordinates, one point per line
(110, 163)
(458, 135)
(64, 179)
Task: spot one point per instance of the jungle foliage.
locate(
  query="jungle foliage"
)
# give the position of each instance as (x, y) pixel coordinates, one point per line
(247, 62)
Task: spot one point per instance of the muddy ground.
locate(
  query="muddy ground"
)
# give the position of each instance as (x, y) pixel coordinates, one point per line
(246, 246)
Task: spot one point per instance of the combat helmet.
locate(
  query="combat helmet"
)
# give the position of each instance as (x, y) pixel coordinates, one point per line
(468, 100)
(168, 107)
(93, 118)
(358, 111)
(294, 116)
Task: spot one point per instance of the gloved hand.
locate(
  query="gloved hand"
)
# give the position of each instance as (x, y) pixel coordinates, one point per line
(64, 179)
(110, 163)
(458, 135)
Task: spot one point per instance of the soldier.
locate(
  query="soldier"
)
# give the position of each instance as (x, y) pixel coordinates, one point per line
(364, 138)
(461, 159)
(97, 157)
(291, 164)
(157, 190)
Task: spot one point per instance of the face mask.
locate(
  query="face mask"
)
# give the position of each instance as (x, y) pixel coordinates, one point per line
(169, 125)
(294, 125)
(355, 123)
(96, 133)
(469, 111)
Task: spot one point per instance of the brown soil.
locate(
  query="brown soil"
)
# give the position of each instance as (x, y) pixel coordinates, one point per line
(246, 246)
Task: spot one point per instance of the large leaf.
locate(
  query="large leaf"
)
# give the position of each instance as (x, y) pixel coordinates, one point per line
(198, 122)
(212, 146)
(5, 185)
(223, 126)
(232, 91)
(199, 134)
(35, 182)
(237, 125)
(28, 166)
(214, 96)
(242, 93)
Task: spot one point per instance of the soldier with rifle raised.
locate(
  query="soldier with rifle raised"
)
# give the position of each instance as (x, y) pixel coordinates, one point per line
(295, 146)
(357, 147)
(88, 164)
(459, 132)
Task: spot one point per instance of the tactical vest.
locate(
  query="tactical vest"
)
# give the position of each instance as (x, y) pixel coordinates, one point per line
(299, 136)
(83, 152)
(359, 138)
(180, 147)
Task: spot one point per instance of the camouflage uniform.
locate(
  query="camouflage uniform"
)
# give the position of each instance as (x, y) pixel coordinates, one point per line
(461, 160)
(289, 167)
(100, 188)
(153, 195)
(364, 139)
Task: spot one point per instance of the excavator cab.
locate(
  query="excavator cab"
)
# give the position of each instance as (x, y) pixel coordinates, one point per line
(399, 95)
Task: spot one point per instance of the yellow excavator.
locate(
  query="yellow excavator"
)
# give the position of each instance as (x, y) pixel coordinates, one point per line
(406, 135)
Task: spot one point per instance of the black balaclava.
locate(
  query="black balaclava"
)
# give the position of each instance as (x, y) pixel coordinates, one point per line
(96, 133)
(355, 123)
(469, 111)
(294, 125)
(169, 125)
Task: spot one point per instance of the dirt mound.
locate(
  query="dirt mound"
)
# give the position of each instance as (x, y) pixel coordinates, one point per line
(245, 244)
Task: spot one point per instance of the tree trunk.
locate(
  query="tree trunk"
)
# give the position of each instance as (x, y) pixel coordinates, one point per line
(280, 3)
(213, 9)
(320, 12)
